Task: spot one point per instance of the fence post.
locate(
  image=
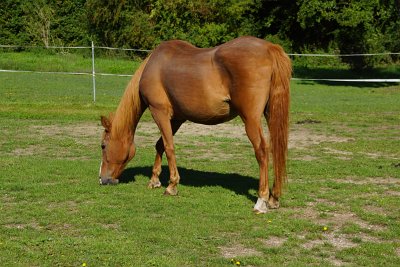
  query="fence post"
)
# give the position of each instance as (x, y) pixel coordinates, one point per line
(93, 75)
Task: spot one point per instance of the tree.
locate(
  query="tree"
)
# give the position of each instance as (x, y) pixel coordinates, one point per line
(70, 26)
(339, 26)
(121, 23)
(12, 23)
(38, 20)
(204, 23)
(144, 24)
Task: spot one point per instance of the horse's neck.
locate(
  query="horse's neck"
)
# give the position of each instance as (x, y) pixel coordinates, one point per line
(130, 109)
(135, 121)
(127, 116)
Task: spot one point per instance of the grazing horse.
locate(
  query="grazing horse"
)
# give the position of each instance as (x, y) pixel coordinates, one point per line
(178, 82)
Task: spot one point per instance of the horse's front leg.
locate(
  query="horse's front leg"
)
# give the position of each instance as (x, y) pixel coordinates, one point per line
(165, 144)
(169, 149)
(155, 180)
(174, 177)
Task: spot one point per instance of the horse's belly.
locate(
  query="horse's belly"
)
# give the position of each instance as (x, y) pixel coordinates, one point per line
(207, 112)
(200, 95)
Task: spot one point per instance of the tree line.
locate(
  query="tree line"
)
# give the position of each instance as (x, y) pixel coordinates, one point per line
(302, 26)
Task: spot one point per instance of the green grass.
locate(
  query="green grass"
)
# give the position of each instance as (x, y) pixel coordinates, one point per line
(48, 61)
(344, 174)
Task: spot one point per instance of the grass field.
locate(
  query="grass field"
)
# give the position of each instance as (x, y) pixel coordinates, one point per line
(341, 206)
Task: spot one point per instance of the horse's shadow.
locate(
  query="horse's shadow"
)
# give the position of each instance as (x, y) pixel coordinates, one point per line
(239, 184)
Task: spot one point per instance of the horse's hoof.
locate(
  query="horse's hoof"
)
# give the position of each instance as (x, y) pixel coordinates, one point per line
(260, 207)
(152, 185)
(171, 192)
(273, 203)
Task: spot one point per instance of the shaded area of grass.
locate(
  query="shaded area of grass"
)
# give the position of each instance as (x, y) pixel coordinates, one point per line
(236, 183)
(391, 72)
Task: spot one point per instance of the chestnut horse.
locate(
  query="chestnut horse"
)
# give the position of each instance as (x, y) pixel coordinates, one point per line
(178, 82)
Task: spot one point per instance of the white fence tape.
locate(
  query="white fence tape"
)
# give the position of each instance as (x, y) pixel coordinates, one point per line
(344, 55)
(93, 73)
(146, 50)
(48, 72)
(67, 73)
(130, 75)
(49, 47)
(75, 47)
(124, 49)
(351, 80)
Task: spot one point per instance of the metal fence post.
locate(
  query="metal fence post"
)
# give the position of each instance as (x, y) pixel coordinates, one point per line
(93, 75)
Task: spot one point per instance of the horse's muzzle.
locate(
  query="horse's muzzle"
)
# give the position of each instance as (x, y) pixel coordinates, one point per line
(106, 181)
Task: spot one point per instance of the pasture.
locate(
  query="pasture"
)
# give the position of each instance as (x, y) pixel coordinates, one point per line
(341, 205)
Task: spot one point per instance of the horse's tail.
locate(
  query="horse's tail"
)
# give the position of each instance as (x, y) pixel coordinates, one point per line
(277, 113)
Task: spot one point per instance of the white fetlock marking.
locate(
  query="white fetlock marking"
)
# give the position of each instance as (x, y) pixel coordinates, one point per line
(261, 206)
(101, 165)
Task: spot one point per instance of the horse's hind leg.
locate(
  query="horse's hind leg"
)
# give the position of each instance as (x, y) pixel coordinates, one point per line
(155, 180)
(255, 133)
(273, 201)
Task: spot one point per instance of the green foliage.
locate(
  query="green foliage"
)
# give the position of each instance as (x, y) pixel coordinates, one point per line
(356, 27)
(43, 22)
(307, 25)
(12, 23)
(121, 23)
(70, 30)
(38, 21)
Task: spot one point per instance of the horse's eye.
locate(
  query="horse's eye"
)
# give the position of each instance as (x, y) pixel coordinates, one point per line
(103, 146)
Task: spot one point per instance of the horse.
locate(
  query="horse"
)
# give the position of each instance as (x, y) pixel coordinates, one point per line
(178, 82)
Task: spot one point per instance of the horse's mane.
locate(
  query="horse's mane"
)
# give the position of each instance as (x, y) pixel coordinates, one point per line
(129, 109)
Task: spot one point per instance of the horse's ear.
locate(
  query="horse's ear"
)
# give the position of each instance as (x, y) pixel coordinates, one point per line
(106, 123)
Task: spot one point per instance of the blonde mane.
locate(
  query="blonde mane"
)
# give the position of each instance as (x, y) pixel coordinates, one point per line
(129, 110)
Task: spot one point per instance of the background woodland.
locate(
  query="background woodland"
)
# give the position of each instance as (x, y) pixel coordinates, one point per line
(302, 26)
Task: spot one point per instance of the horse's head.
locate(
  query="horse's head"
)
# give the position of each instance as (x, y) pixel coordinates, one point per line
(117, 151)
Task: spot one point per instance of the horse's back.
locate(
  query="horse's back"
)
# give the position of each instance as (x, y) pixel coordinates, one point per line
(206, 85)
